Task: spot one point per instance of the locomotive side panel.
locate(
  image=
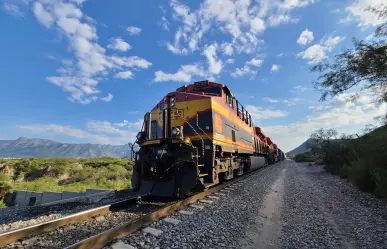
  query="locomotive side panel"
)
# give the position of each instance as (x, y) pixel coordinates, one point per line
(233, 134)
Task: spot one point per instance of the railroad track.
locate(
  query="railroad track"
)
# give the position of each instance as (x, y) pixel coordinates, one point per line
(97, 227)
(28, 216)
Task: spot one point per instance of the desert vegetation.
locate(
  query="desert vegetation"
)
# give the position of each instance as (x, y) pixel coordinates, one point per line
(64, 174)
(360, 158)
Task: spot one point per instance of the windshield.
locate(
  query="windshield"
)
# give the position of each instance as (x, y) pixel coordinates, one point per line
(210, 90)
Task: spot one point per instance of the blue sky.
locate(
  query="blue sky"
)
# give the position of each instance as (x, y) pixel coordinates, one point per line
(86, 71)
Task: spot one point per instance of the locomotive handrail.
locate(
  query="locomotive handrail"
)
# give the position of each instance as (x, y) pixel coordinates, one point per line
(197, 125)
(196, 134)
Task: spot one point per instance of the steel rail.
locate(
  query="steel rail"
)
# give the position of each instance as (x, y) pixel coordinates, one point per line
(103, 238)
(14, 235)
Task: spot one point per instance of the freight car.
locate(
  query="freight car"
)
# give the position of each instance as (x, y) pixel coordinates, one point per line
(196, 137)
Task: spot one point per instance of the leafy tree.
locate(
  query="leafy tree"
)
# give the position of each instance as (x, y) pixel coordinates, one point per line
(365, 65)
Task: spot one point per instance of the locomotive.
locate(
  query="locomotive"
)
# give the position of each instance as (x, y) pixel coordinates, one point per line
(196, 137)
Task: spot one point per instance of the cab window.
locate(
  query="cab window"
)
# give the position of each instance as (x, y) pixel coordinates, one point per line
(229, 101)
(209, 90)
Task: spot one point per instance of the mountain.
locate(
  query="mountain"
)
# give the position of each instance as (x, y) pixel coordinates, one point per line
(35, 147)
(300, 149)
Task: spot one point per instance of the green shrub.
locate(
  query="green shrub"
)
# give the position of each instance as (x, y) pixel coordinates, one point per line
(361, 159)
(380, 178)
(66, 174)
(2, 204)
(361, 175)
(5, 185)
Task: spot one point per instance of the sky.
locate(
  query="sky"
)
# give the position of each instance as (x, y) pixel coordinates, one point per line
(86, 71)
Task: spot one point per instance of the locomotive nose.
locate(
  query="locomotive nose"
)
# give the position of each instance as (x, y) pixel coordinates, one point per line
(167, 171)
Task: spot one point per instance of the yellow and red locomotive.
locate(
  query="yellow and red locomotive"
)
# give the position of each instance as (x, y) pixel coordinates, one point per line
(196, 137)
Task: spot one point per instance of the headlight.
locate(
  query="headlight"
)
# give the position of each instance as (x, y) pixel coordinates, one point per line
(140, 136)
(172, 101)
(177, 131)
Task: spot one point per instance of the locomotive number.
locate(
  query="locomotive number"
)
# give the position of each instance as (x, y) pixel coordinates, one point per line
(177, 114)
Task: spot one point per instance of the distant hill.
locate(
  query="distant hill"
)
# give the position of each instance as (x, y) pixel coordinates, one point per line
(35, 147)
(300, 149)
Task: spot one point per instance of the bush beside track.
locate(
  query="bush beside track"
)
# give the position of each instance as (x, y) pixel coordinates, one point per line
(360, 159)
(64, 174)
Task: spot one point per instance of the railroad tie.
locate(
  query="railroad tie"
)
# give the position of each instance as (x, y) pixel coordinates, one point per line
(196, 206)
(171, 221)
(186, 212)
(122, 245)
(152, 231)
(206, 201)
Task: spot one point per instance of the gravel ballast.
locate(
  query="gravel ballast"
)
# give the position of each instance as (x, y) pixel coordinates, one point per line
(325, 211)
(286, 205)
(28, 216)
(219, 224)
(70, 234)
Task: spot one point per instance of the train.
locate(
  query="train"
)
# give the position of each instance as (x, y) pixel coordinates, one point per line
(196, 137)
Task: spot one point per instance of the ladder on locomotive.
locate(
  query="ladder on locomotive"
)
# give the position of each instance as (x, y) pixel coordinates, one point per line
(200, 157)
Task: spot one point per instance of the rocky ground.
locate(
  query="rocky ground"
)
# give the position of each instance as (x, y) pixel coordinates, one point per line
(15, 218)
(287, 205)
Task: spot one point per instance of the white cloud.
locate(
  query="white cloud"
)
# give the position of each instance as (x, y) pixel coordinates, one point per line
(306, 37)
(230, 61)
(214, 64)
(358, 12)
(255, 62)
(275, 68)
(314, 54)
(124, 75)
(290, 103)
(242, 71)
(331, 42)
(338, 114)
(281, 19)
(132, 30)
(299, 88)
(292, 4)
(227, 49)
(112, 128)
(242, 20)
(108, 98)
(101, 132)
(247, 68)
(184, 74)
(67, 131)
(164, 23)
(275, 101)
(175, 48)
(13, 9)
(257, 25)
(271, 100)
(90, 64)
(119, 44)
(318, 52)
(44, 17)
(260, 113)
(247, 43)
